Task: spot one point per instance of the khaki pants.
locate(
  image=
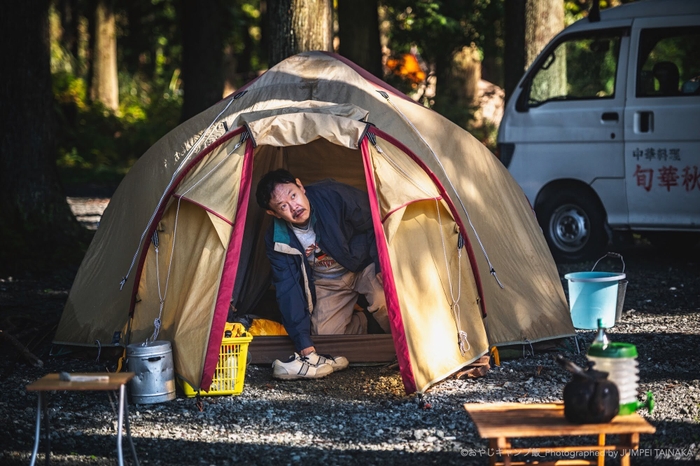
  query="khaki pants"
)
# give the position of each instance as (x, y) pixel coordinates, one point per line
(335, 301)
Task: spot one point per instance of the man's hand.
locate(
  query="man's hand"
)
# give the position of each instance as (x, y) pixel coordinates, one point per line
(380, 279)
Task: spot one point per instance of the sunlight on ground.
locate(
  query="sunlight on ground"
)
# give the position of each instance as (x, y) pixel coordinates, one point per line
(88, 211)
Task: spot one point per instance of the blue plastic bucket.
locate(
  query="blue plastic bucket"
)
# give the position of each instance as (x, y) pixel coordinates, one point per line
(593, 296)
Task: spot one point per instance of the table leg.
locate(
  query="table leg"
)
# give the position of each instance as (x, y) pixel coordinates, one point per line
(625, 458)
(507, 458)
(47, 429)
(601, 453)
(493, 446)
(37, 433)
(120, 421)
(630, 442)
(128, 432)
(502, 443)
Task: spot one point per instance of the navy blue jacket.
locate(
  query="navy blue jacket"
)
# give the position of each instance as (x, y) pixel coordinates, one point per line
(342, 220)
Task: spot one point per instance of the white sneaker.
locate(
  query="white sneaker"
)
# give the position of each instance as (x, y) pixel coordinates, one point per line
(299, 367)
(338, 363)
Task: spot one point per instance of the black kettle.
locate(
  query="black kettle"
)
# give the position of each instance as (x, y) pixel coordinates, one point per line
(589, 398)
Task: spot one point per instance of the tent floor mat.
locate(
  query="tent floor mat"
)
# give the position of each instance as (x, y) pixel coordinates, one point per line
(359, 349)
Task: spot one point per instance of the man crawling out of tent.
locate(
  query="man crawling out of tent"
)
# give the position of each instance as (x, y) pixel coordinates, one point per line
(323, 254)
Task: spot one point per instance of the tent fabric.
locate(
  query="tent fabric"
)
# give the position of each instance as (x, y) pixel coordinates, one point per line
(465, 263)
(426, 289)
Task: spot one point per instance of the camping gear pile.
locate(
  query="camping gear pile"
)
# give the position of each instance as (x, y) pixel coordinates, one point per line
(619, 361)
(589, 397)
(594, 396)
(464, 262)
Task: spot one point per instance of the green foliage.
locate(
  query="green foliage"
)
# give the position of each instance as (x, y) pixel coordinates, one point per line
(98, 146)
(486, 132)
(435, 30)
(244, 36)
(578, 9)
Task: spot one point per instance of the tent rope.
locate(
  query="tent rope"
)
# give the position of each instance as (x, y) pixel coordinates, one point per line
(492, 270)
(462, 337)
(155, 240)
(156, 323)
(182, 163)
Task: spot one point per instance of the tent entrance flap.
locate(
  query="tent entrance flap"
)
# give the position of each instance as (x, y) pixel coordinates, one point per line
(433, 314)
(191, 254)
(179, 284)
(437, 292)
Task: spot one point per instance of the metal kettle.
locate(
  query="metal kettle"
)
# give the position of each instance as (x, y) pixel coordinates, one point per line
(589, 398)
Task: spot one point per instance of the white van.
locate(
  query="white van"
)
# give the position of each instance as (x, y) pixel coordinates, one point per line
(603, 131)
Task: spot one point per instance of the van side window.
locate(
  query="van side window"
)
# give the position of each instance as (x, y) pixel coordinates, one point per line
(668, 62)
(578, 68)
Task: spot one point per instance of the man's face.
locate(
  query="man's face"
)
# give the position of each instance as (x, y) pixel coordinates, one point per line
(289, 202)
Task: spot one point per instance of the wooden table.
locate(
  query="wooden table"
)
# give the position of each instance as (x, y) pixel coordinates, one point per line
(51, 382)
(502, 422)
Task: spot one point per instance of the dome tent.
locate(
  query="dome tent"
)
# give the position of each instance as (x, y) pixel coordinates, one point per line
(464, 261)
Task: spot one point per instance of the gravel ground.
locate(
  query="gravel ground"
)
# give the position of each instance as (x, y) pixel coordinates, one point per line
(360, 416)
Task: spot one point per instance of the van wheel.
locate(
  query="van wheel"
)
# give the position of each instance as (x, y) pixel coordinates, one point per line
(573, 224)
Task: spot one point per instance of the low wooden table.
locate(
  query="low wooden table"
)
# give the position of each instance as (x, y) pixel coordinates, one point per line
(51, 382)
(502, 422)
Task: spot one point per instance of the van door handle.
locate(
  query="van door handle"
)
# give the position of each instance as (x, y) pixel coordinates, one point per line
(610, 116)
(643, 122)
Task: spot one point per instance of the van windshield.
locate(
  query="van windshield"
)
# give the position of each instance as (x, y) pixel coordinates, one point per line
(578, 67)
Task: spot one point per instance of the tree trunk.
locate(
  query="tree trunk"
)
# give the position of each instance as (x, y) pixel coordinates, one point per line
(137, 41)
(202, 55)
(105, 84)
(299, 26)
(458, 86)
(514, 50)
(543, 20)
(358, 22)
(35, 220)
(264, 32)
(68, 12)
(90, 13)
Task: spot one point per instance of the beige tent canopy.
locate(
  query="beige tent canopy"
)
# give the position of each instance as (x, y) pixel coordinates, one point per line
(465, 264)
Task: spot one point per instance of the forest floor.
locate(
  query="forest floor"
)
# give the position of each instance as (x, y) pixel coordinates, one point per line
(360, 416)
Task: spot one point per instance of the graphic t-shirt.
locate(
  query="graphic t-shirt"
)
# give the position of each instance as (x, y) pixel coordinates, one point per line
(323, 265)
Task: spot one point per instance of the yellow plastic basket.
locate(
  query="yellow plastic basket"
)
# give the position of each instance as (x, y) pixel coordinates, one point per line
(230, 370)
